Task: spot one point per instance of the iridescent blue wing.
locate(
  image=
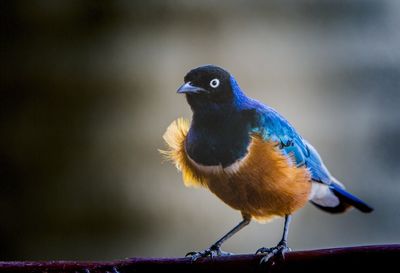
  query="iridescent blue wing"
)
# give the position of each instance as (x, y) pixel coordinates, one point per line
(272, 126)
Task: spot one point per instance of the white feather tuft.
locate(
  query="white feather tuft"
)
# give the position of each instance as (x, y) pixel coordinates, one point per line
(322, 195)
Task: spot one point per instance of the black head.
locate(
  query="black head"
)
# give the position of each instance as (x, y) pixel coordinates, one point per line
(205, 85)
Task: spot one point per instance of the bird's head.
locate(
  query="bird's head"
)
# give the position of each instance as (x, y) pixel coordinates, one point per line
(209, 87)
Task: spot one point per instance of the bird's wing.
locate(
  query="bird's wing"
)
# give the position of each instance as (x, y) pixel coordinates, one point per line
(272, 126)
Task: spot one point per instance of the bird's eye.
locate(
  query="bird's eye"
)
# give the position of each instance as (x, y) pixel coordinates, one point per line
(214, 83)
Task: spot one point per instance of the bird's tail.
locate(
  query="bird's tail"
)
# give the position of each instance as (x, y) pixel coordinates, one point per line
(346, 200)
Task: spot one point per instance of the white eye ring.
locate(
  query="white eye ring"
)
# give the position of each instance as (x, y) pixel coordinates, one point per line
(214, 83)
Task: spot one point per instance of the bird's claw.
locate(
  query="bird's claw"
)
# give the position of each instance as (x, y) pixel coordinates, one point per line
(212, 252)
(263, 250)
(280, 250)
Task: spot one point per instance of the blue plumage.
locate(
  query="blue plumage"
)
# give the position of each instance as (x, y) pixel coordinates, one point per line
(348, 198)
(230, 148)
(224, 118)
(272, 126)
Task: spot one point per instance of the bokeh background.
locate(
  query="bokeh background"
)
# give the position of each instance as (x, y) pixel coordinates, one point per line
(88, 88)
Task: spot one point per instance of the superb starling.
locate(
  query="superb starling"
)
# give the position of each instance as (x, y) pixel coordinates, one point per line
(249, 156)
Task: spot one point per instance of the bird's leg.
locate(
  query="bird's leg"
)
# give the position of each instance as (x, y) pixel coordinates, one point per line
(282, 246)
(215, 249)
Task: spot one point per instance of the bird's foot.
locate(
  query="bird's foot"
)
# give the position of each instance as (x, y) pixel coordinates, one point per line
(278, 251)
(212, 252)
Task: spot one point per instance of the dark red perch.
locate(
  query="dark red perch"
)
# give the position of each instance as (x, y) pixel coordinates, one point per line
(379, 258)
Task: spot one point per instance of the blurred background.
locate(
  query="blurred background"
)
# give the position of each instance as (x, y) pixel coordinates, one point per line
(88, 89)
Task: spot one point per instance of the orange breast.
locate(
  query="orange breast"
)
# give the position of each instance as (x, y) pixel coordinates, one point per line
(263, 184)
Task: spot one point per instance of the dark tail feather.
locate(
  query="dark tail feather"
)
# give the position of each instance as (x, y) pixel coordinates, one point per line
(342, 207)
(346, 201)
(349, 199)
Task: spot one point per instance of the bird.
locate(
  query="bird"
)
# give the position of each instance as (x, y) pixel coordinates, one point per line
(250, 157)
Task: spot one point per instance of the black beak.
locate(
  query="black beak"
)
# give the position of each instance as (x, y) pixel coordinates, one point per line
(191, 89)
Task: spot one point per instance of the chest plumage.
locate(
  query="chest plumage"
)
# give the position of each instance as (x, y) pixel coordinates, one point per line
(262, 183)
(219, 139)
